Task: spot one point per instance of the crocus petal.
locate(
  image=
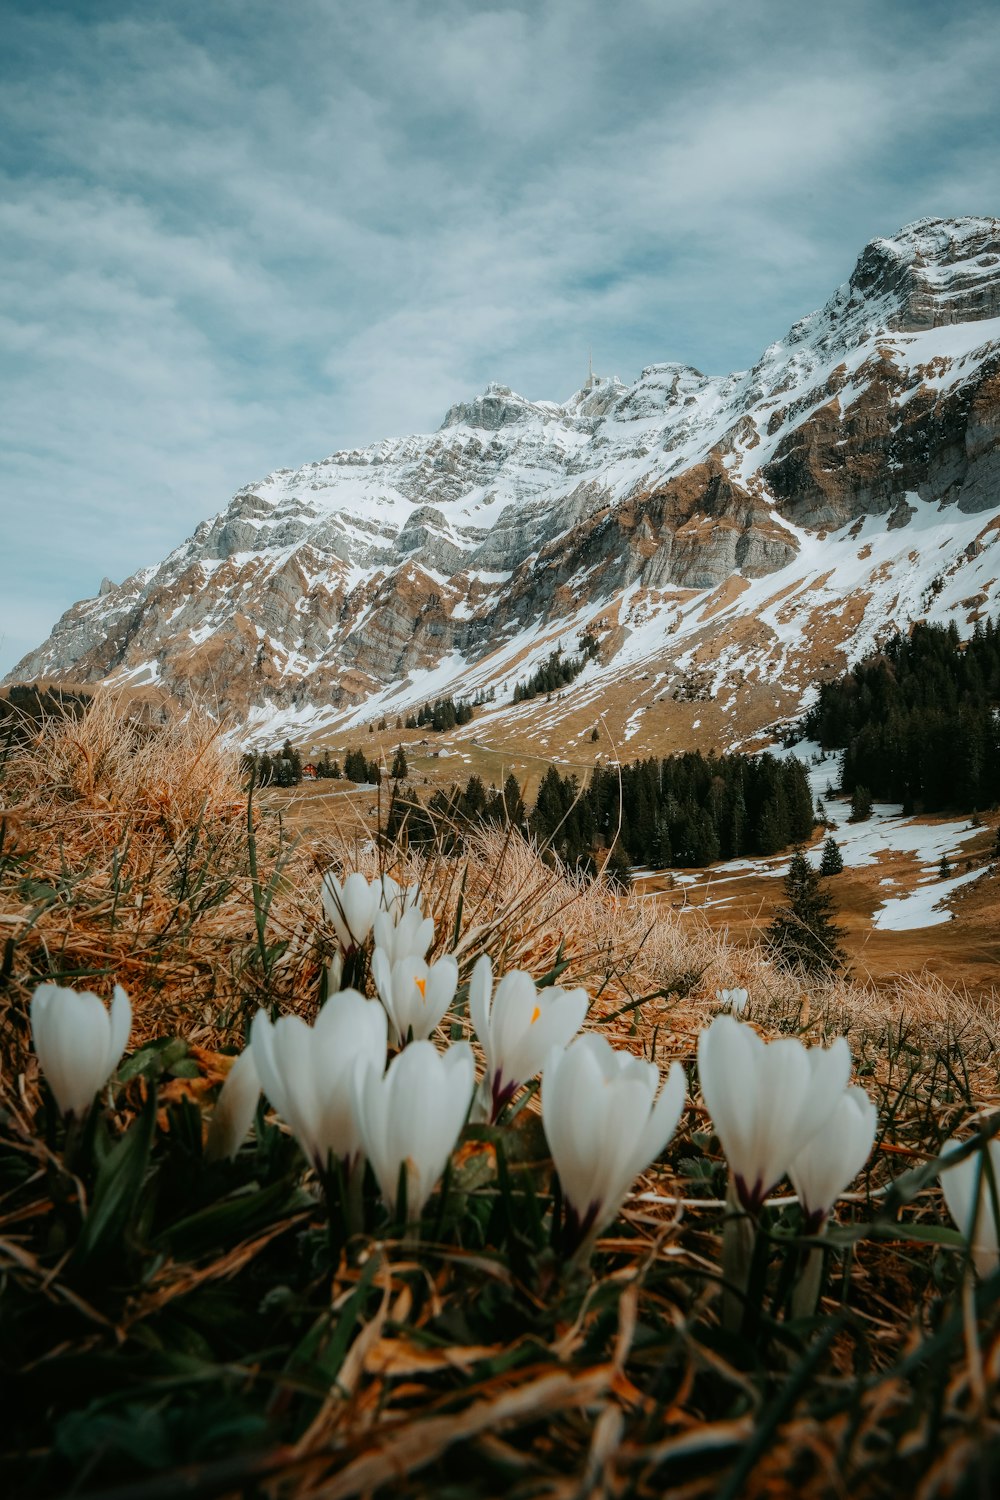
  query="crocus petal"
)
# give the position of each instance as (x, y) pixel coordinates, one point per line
(234, 1109)
(973, 1212)
(829, 1163)
(307, 1072)
(605, 1123)
(518, 1027)
(480, 994)
(382, 980)
(572, 1087)
(414, 1115)
(409, 937)
(55, 1062)
(359, 901)
(350, 908)
(348, 1029)
(293, 1060)
(554, 1022)
(78, 1043)
(514, 1003)
(121, 1027)
(398, 899)
(663, 1119)
(442, 982)
(727, 1068)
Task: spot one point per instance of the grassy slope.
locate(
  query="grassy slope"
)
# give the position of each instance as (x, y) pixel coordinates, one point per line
(478, 1366)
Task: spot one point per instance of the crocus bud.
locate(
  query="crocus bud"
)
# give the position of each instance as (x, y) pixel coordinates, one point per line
(350, 908)
(408, 937)
(416, 994)
(605, 1123)
(833, 1158)
(414, 1115)
(306, 1072)
(79, 1044)
(767, 1100)
(971, 1200)
(234, 1109)
(734, 1001)
(518, 1027)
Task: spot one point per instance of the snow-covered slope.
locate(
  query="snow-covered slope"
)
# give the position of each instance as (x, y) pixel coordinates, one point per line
(726, 538)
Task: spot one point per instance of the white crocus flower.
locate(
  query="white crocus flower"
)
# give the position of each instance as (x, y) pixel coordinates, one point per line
(397, 899)
(306, 1072)
(604, 1123)
(833, 1158)
(78, 1042)
(415, 994)
(975, 1212)
(518, 1027)
(414, 1116)
(408, 936)
(733, 1000)
(234, 1108)
(350, 907)
(767, 1100)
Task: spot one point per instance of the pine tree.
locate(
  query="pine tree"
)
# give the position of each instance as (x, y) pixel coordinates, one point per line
(513, 802)
(832, 861)
(399, 766)
(356, 766)
(944, 868)
(861, 804)
(803, 934)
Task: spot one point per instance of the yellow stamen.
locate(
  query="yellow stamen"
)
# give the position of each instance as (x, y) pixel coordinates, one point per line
(421, 985)
(535, 1014)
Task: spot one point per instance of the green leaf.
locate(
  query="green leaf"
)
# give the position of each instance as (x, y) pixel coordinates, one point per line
(839, 1236)
(320, 1354)
(230, 1221)
(186, 1068)
(155, 1059)
(119, 1181)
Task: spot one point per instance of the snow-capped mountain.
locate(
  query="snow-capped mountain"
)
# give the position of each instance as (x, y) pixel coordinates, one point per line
(725, 538)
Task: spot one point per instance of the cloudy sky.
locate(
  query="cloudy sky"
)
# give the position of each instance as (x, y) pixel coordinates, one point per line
(239, 235)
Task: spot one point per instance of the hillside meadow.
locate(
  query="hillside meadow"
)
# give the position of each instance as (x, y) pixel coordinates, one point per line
(174, 1321)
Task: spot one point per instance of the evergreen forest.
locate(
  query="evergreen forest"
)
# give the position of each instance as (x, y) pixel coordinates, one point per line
(556, 672)
(685, 810)
(917, 722)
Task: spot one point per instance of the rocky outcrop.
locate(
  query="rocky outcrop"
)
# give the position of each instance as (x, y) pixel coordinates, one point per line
(899, 436)
(937, 272)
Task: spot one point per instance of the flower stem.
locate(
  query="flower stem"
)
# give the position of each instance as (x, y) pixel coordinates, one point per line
(805, 1296)
(737, 1256)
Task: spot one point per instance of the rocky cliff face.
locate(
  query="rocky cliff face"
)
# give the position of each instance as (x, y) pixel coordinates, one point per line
(448, 561)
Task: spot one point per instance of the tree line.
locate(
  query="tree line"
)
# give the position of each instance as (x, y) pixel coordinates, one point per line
(685, 810)
(917, 721)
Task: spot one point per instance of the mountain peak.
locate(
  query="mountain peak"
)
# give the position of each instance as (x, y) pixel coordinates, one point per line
(497, 407)
(935, 271)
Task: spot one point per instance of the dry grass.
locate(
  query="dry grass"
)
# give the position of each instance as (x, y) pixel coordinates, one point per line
(126, 858)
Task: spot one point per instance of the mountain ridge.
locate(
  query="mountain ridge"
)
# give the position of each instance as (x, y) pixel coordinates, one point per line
(454, 560)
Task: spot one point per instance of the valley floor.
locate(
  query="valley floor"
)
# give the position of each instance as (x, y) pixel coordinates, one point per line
(900, 917)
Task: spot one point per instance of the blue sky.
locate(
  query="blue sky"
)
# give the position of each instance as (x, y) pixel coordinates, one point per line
(238, 236)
